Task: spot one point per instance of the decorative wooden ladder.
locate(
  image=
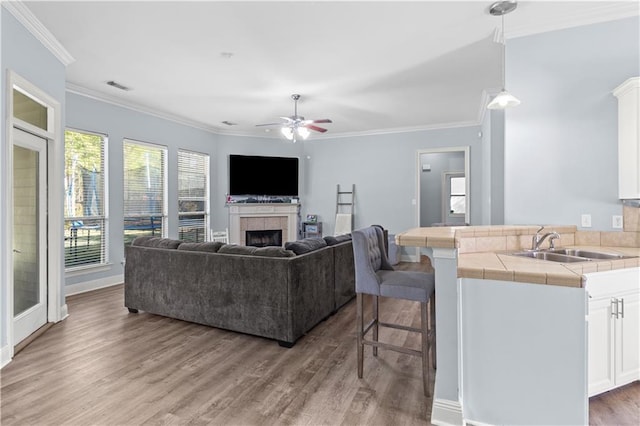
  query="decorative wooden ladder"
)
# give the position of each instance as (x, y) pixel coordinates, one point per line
(345, 201)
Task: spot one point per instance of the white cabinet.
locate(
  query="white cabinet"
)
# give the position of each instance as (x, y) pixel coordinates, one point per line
(628, 94)
(614, 329)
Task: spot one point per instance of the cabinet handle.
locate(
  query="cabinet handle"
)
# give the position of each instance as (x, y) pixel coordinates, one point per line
(614, 312)
(621, 301)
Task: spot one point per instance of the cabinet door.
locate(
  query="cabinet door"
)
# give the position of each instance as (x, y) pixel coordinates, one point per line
(601, 346)
(627, 329)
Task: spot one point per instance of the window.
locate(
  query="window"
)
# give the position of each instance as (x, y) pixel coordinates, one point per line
(193, 196)
(85, 213)
(457, 196)
(145, 187)
(30, 110)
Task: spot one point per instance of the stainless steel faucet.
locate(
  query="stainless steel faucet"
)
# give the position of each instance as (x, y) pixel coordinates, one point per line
(539, 239)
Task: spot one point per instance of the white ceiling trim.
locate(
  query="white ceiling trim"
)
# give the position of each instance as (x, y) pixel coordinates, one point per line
(400, 130)
(39, 31)
(605, 13)
(83, 91)
(88, 93)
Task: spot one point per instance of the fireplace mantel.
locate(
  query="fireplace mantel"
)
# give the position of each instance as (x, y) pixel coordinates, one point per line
(263, 216)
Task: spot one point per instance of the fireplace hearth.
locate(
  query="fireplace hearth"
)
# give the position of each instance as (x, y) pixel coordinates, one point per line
(264, 238)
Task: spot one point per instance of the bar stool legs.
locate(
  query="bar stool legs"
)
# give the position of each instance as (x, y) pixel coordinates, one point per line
(427, 331)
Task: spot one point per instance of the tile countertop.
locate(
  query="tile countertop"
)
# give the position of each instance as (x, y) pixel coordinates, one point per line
(482, 251)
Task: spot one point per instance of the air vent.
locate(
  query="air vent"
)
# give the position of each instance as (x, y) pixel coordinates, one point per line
(117, 85)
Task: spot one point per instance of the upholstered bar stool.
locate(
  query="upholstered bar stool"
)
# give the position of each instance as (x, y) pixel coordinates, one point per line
(376, 277)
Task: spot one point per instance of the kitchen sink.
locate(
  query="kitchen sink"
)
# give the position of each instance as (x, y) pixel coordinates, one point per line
(566, 255)
(589, 254)
(551, 256)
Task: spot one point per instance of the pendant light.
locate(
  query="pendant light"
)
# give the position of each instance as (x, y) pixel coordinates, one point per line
(504, 99)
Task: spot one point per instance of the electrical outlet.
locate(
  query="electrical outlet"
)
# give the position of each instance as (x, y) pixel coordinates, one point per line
(617, 222)
(586, 221)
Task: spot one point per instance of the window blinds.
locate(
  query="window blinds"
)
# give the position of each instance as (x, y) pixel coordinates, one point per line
(85, 213)
(193, 195)
(144, 191)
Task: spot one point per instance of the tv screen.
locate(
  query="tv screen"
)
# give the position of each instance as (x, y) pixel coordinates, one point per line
(257, 175)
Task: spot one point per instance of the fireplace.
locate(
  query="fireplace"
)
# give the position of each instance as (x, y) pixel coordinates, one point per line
(263, 238)
(260, 217)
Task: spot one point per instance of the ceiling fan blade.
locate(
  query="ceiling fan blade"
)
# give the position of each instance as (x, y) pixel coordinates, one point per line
(323, 120)
(269, 124)
(316, 128)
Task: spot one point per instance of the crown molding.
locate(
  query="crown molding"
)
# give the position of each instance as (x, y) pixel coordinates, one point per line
(88, 93)
(608, 12)
(395, 130)
(22, 13)
(98, 96)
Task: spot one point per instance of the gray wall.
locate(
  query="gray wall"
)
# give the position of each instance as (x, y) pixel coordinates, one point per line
(22, 53)
(431, 185)
(383, 169)
(118, 123)
(561, 142)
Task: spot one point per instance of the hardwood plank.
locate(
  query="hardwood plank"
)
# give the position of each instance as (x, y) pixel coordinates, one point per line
(105, 366)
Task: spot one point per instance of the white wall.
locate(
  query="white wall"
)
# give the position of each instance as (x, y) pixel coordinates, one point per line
(561, 142)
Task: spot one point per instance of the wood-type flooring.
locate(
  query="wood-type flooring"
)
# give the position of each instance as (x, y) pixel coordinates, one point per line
(105, 366)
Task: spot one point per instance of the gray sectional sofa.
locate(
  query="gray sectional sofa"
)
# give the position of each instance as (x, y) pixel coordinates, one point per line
(274, 292)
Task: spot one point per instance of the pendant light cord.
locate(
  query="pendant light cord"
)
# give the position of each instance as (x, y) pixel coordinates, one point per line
(504, 48)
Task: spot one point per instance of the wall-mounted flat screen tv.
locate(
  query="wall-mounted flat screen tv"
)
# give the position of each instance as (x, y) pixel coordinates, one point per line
(258, 175)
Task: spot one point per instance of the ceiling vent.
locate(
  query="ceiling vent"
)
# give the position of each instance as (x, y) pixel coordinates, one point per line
(118, 85)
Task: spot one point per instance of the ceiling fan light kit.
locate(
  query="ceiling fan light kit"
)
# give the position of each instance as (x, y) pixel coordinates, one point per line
(296, 126)
(504, 99)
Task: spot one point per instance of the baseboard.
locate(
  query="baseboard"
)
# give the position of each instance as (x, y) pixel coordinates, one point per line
(93, 285)
(64, 312)
(5, 355)
(409, 258)
(446, 413)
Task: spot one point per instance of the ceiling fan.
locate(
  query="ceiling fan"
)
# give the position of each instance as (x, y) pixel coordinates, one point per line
(296, 126)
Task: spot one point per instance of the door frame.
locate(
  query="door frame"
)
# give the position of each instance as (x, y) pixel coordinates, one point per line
(56, 308)
(418, 170)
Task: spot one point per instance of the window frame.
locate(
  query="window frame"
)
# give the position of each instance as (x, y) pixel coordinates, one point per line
(206, 198)
(165, 190)
(104, 255)
(447, 194)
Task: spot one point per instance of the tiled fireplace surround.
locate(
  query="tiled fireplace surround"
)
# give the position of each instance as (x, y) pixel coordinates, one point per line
(260, 217)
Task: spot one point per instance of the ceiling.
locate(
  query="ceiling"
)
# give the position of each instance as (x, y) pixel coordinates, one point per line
(369, 66)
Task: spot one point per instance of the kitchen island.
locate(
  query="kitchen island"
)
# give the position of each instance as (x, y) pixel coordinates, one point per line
(512, 332)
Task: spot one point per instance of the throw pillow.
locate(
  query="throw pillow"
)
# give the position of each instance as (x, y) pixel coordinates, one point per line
(306, 245)
(332, 241)
(236, 249)
(210, 246)
(273, 251)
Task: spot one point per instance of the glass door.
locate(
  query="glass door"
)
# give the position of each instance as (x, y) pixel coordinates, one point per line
(29, 234)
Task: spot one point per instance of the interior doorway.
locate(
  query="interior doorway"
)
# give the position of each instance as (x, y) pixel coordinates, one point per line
(442, 186)
(29, 226)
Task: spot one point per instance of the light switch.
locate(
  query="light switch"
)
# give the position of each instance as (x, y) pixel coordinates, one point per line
(586, 221)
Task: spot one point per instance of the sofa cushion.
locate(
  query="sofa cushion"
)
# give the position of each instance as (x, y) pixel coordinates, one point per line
(236, 249)
(306, 245)
(273, 251)
(157, 242)
(211, 246)
(331, 241)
